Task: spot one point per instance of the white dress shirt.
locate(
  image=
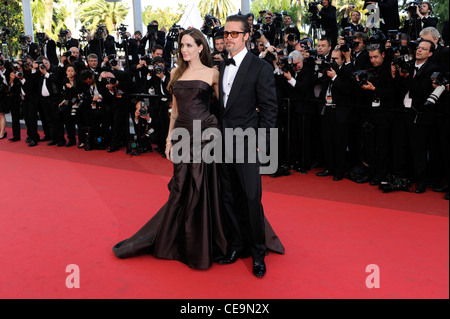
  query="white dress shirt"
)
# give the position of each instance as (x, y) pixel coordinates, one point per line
(230, 73)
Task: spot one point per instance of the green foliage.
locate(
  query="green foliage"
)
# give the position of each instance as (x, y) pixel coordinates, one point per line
(217, 8)
(11, 17)
(166, 17)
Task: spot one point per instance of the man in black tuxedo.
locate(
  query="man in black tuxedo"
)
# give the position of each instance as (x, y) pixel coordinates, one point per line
(416, 87)
(328, 21)
(335, 93)
(244, 86)
(355, 19)
(49, 86)
(299, 87)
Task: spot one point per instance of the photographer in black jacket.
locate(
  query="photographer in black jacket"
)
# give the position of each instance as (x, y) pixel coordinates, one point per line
(336, 92)
(416, 86)
(328, 20)
(379, 87)
(300, 90)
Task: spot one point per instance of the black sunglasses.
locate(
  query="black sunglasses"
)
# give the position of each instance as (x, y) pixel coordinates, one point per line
(234, 34)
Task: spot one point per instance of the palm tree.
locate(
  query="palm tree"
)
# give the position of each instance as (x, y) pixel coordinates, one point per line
(218, 8)
(95, 12)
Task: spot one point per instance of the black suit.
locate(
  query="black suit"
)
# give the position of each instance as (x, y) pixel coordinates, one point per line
(419, 125)
(253, 87)
(329, 24)
(336, 118)
(389, 13)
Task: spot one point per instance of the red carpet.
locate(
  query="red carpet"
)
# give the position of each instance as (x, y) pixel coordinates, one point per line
(62, 206)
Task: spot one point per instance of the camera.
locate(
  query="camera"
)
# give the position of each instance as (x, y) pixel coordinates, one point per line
(40, 36)
(23, 39)
(143, 111)
(112, 61)
(148, 60)
(286, 64)
(208, 30)
(378, 38)
(441, 80)
(395, 183)
(405, 63)
(348, 35)
(258, 31)
(76, 103)
(174, 33)
(363, 76)
(322, 66)
(412, 7)
(101, 30)
(313, 7)
(152, 28)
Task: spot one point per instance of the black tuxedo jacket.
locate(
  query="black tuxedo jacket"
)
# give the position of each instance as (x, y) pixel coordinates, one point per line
(390, 15)
(420, 87)
(253, 87)
(341, 92)
(302, 95)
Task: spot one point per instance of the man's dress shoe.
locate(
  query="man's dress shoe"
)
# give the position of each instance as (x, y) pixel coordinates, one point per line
(259, 268)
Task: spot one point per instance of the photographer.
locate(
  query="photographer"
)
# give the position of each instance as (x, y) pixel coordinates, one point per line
(101, 43)
(300, 90)
(16, 80)
(113, 85)
(47, 47)
(48, 83)
(390, 18)
(142, 121)
(129, 46)
(66, 41)
(355, 19)
(416, 86)
(68, 109)
(157, 80)
(418, 18)
(91, 112)
(30, 94)
(268, 26)
(72, 57)
(440, 55)
(219, 52)
(328, 21)
(32, 49)
(380, 89)
(336, 92)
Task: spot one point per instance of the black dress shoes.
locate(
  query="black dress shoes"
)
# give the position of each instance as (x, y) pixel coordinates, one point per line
(259, 269)
(324, 173)
(14, 139)
(421, 188)
(4, 136)
(231, 257)
(338, 177)
(113, 149)
(441, 189)
(51, 143)
(32, 144)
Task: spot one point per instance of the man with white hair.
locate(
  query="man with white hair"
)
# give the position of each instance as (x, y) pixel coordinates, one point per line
(300, 90)
(441, 53)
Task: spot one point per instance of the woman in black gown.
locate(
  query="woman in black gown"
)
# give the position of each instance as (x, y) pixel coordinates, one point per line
(189, 227)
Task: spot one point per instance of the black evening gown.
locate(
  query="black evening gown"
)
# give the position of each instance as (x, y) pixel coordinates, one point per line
(189, 227)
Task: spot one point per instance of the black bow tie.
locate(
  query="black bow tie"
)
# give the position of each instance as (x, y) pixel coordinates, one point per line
(229, 61)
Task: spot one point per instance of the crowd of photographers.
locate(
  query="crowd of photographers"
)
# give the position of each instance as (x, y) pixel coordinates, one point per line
(369, 103)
